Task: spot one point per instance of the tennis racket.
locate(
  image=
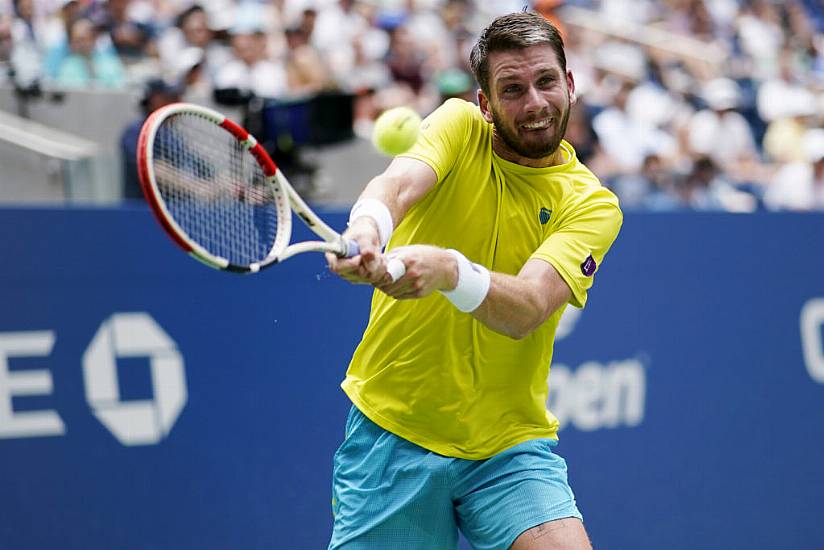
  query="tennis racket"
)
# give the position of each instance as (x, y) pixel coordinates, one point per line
(221, 198)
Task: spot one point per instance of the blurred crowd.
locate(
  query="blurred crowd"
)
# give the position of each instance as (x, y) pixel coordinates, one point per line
(683, 104)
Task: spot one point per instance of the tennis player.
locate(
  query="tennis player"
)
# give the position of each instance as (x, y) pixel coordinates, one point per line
(500, 227)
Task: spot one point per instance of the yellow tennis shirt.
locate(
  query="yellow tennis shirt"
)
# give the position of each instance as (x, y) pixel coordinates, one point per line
(434, 375)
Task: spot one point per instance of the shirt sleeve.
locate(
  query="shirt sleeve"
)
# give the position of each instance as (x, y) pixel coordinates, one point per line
(443, 135)
(577, 248)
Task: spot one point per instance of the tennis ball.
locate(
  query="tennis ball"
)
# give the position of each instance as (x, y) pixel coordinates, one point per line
(396, 130)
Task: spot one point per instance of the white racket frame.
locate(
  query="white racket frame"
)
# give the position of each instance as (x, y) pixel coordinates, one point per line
(285, 197)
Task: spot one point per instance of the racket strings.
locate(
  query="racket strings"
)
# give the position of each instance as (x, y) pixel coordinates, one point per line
(214, 189)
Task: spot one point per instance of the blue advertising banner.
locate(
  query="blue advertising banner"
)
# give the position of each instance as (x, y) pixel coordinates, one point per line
(149, 402)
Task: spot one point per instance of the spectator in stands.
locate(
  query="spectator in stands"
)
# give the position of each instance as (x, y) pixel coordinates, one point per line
(459, 15)
(334, 30)
(133, 39)
(368, 71)
(306, 70)
(29, 45)
(760, 35)
(251, 70)
(721, 133)
(785, 102)
(156, 94)
(652, 184)
(441, 34)
(782, 140)
(56, 23)
(405, 61)
(87, 65)
(549, 9)
(662, 195)
(307, 22)
(707, 187)
(625, 139)
(694, 19)
(26, 27)
(643, 107)
(799, 186)
(57, 39)
(369, 74)
(191, 30)
(699, 189)
(581, 134)
(190, 74)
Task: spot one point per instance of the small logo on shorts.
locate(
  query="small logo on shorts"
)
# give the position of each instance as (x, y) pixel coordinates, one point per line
(589, 266)
(544, 215)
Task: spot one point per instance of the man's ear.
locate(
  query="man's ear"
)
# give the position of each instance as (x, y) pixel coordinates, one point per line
(483, 103)
(571, 87)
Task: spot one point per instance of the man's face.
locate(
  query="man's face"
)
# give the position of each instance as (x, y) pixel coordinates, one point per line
(196, 29)
(82, 37)
(249, 48)
(529, 103)
(161, 99)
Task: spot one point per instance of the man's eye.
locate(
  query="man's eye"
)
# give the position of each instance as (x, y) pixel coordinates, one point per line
(511, 89)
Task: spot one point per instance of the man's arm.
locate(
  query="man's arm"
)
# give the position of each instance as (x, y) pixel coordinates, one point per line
(404, 182)
(514, 306)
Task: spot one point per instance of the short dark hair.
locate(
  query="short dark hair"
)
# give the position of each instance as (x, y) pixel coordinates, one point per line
(184, 15)
(515, 31)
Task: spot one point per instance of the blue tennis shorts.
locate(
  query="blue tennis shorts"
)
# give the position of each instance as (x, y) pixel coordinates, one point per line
(390, 493)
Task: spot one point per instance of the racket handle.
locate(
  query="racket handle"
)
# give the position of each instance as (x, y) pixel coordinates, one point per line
(352, 249)
(396, 268)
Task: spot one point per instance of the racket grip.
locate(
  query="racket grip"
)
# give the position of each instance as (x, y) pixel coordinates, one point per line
(352, 249)
(396, 268)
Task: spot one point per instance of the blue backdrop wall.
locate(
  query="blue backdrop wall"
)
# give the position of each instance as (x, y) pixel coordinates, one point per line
(148, 402)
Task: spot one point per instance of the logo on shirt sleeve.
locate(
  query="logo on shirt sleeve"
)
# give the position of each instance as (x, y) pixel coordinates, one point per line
(589, 266)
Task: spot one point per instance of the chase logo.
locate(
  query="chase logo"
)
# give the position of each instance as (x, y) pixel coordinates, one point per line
(135, 422)
(544, 215)
(123, 336)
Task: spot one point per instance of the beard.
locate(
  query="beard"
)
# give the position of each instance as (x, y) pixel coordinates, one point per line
(535, 149)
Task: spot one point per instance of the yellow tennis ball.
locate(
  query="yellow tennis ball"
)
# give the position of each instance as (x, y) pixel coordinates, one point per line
(396, 131)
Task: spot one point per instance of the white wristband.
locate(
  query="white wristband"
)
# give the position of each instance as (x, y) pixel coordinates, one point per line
(379, 212)
(472, 287)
